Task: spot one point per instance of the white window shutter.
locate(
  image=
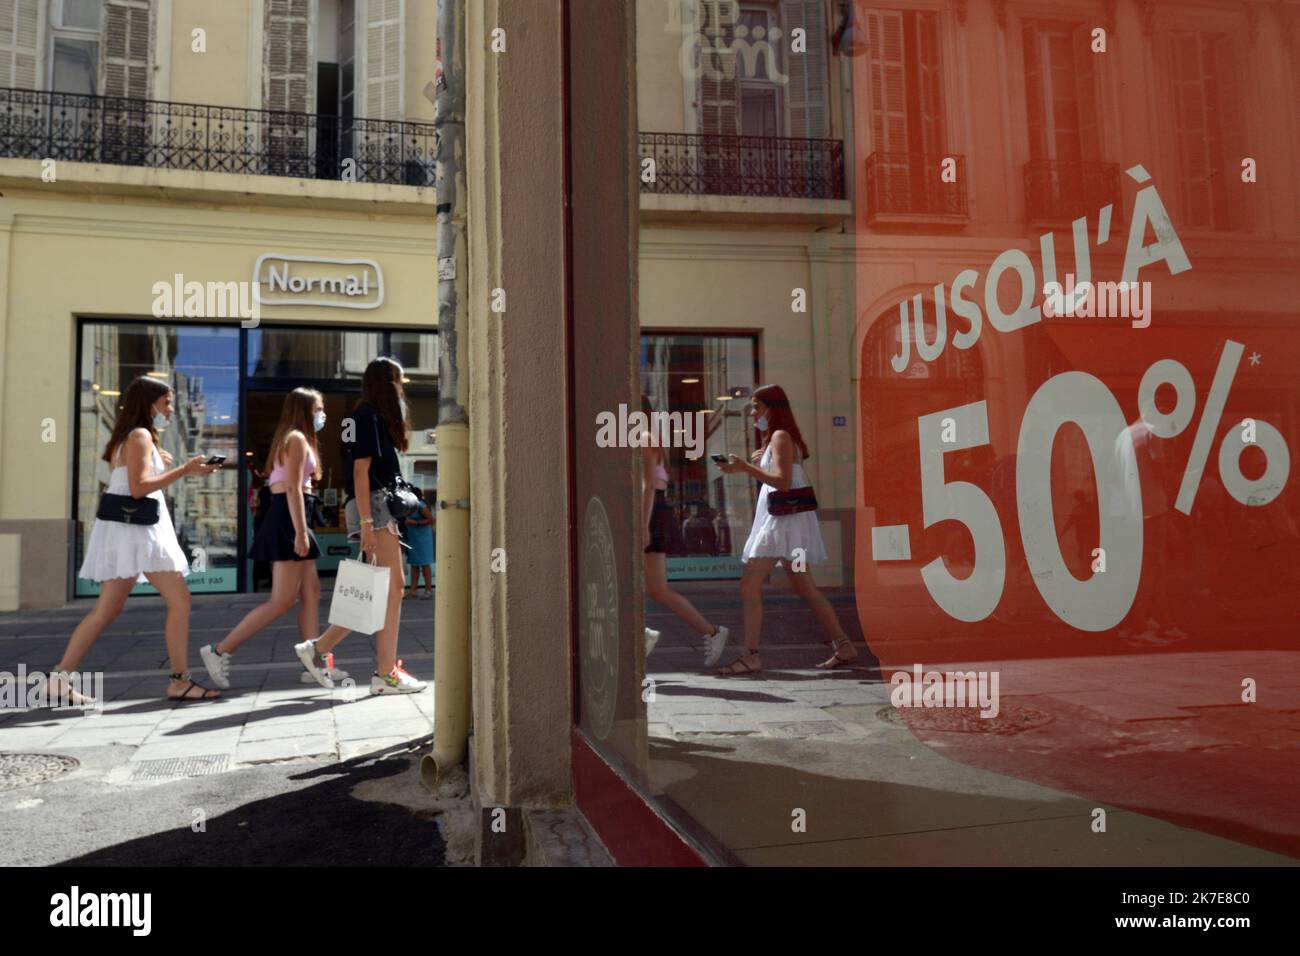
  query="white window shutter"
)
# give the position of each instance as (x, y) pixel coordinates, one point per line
(287, 66)
(382, 60)
(124, 62)
(888, 81)
(20, 22)
(807, 94)
(719, 84)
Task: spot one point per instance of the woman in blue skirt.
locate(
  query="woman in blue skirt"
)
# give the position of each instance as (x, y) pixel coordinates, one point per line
(419, 536)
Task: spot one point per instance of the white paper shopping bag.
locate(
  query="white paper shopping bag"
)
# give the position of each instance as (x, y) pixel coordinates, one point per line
(360, 600)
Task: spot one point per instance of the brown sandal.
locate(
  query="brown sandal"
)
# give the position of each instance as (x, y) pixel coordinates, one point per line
(739, 668)
(836, 660)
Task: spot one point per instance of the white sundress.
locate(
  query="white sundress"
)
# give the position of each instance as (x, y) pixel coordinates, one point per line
(776, 536)
(119, 550)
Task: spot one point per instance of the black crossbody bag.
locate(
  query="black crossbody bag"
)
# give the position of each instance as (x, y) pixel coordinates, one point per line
(127, 510)
(791, 502)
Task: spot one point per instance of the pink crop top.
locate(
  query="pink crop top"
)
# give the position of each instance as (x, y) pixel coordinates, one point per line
(308, 469)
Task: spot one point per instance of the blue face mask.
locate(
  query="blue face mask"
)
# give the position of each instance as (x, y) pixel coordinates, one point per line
(761, 424)
(159, 421)
(318, 422)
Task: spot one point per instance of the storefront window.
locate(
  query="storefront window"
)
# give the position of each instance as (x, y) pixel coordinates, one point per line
(711, 376)
(201, 364)
(215, 519)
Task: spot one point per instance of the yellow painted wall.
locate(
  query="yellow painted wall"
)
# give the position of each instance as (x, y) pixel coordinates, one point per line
(218, 77)
(660, 106)
(421, 44)
(74, 257)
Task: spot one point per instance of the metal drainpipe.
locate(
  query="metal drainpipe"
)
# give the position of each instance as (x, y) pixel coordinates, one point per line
(451, 650)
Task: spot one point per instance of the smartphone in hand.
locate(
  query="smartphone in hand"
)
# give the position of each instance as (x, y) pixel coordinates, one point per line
(216, 460)
(720, 459)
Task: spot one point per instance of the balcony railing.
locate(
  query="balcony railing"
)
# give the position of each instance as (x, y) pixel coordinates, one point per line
(1063, 191)
(697, 165)
(912, 186)
(216, 139)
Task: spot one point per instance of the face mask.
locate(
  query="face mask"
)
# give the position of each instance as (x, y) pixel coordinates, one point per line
(159, 421)
(761, 424)
(406, 410)
(318, 422)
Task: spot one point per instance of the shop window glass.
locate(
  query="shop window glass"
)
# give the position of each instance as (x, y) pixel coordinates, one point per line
(201, 363)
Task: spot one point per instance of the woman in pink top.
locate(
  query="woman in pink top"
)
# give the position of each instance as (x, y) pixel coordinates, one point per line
(284, 537)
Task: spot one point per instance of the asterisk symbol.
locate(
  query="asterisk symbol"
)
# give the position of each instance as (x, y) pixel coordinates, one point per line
(1254, 358)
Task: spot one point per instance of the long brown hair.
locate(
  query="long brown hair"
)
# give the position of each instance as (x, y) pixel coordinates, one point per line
(136, 412)
(381, 389)
(296, 412)
(780, 417)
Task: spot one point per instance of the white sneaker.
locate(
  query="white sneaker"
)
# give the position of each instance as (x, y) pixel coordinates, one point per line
(306, 652)
(335, 674)
(397, 682)
(651, 639)
(218, 665)
(713, 646)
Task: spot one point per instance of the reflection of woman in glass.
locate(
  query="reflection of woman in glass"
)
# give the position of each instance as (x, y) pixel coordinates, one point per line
(657, 514)
(775, 539)
(284, 537)
(378, 427)
(419, 535)
(118, 555)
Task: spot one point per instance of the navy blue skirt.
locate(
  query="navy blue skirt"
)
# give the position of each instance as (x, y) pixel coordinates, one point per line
(274, 538)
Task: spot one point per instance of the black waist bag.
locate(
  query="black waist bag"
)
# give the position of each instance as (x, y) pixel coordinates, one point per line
(127, 510)
(791, 502)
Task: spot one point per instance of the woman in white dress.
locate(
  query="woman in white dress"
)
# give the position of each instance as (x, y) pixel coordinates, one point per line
(774, 539)
(118, 555)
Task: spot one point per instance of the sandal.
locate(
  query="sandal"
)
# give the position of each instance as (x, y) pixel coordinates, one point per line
(186, 696)
(738, 667)
(58, 688)
(836, 660)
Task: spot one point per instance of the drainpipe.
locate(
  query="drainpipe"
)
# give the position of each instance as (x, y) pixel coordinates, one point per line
(451, 650)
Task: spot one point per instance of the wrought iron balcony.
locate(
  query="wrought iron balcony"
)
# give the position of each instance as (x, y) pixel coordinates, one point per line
(909, 187)
(698, 165)
(1060, 192)
(216, 139)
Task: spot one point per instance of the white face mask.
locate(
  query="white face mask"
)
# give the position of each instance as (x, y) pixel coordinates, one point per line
(318, 422)
(761, 424)
(406, 411)
(159, 421)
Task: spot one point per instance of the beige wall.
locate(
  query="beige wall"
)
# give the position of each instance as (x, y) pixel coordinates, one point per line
(660, 82)
(67, 256)
(219, 77)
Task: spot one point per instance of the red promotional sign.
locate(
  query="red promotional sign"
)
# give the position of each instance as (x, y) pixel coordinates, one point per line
(1075, 490)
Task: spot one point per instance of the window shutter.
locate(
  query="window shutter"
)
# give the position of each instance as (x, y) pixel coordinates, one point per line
(888, 86)
(808, 96)
(19, 30)
(1189, 121)
(1227, 143)
(124, 58)
(382, 54)
(931, 84)
(1034, 92)
(1085, 86)
(719, 83)
(287, 56)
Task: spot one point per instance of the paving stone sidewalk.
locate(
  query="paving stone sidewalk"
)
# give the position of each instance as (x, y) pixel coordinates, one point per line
(268, 714)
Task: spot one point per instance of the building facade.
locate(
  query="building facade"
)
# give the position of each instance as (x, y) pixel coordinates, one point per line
(159, 159)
